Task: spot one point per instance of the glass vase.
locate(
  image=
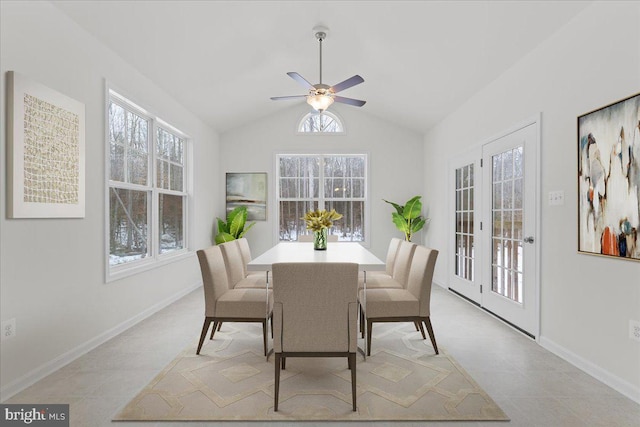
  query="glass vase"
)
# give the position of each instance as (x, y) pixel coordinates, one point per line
(320, 240)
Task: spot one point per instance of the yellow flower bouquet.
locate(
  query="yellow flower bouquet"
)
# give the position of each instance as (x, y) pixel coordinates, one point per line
(319, 221)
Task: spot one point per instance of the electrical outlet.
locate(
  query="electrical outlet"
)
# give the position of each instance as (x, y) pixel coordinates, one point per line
(8, 329)
(634, 330)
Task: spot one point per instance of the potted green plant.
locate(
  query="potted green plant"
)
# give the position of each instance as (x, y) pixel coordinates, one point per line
(234, 228)
(408, 218)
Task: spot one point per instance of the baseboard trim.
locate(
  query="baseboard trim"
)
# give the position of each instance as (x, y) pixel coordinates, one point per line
(64, 359)
(622, 386)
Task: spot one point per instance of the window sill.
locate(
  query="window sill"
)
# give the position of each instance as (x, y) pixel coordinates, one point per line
(136, 267)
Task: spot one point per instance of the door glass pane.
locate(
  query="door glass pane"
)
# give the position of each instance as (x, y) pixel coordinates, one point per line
(507, 224)
(464, 222)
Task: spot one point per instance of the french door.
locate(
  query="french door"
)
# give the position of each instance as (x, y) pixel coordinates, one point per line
(494, 256)
(466, 201)
(509, 271)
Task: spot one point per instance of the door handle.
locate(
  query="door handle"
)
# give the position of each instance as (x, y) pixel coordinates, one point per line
(528, 239)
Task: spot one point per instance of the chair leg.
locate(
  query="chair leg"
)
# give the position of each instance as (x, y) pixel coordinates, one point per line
(219, 325)
(427, 323)
(362, 320)
(352, 363)
(419, 323)
(369, 327)
(213, 330)
(284, 363)
(276, 390)
(203, 334)
(271, 318)
(264, 335)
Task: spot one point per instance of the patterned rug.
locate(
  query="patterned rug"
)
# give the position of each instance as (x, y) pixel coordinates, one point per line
(231, 380)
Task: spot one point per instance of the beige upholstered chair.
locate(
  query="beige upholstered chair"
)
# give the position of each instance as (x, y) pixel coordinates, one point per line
(315, 314)
(392, 251)
(397, 264)
(237, 266)
(251, 280)
(405, 305)
(225, 304)
(309, 238)
(399, 273)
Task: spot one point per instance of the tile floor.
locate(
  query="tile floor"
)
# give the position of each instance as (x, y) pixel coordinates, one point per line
(533, 386)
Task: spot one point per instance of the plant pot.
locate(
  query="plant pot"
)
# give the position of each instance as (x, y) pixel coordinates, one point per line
(320, 240)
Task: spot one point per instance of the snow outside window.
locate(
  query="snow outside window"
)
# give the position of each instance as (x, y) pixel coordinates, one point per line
(147, 199)
(322, 181)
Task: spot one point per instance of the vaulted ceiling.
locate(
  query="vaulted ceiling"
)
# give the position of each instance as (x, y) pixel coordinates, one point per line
(223, 60)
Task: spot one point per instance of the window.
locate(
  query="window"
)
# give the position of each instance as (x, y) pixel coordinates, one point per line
(147, 192)
(324, 122)
(322, 181)
(464, 222)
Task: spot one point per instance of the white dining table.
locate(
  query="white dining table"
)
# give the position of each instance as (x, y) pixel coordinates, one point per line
(335, 252)
(304, 252)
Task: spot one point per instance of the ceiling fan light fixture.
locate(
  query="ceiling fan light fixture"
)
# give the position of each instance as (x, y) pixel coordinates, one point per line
(320, 96)
(319, 102)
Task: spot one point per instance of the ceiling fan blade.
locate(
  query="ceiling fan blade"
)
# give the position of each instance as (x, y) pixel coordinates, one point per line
(278, 98)
(350, 101)
(355, 80)
(297, 77)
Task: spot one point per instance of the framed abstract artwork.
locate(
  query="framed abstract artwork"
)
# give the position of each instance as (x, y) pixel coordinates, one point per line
(609, 180)
(250, 190)
(45, 152)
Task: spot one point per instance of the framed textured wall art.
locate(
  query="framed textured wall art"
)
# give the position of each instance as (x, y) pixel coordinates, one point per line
(45, 151)
(250, 190)
(609, 180)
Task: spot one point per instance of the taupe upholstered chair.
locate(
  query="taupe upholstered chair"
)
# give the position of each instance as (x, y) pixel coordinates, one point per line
(405, 305)
(309, 238)
(234, 258)
(225, 304)
(399, 273)
(315, 314)
(397, 264)
(251, 280)
(392, 251)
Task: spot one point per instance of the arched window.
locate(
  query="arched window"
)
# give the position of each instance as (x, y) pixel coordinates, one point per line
(324, 122)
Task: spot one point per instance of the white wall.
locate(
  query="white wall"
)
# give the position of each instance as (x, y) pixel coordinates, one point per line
(586, 301)
(395, 163)
(52, 270)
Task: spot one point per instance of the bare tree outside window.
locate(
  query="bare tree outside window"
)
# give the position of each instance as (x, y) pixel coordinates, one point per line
(309, 182)
(324, 122)
(141, 202)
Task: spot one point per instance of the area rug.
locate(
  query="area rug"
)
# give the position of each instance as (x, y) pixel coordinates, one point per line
(402, 380)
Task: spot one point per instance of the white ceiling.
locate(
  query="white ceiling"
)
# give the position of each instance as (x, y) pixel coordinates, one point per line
(223, 59)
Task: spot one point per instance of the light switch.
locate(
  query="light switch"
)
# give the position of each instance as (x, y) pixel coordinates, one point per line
(556, 198)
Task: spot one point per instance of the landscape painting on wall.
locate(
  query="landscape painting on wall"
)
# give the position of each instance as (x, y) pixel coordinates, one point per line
(250, 190)
(609, 180)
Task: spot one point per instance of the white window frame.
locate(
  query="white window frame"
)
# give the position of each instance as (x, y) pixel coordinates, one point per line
(331, 153)
(155, 258)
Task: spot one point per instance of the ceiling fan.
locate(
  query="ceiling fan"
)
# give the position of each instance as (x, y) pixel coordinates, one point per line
(320, 95)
